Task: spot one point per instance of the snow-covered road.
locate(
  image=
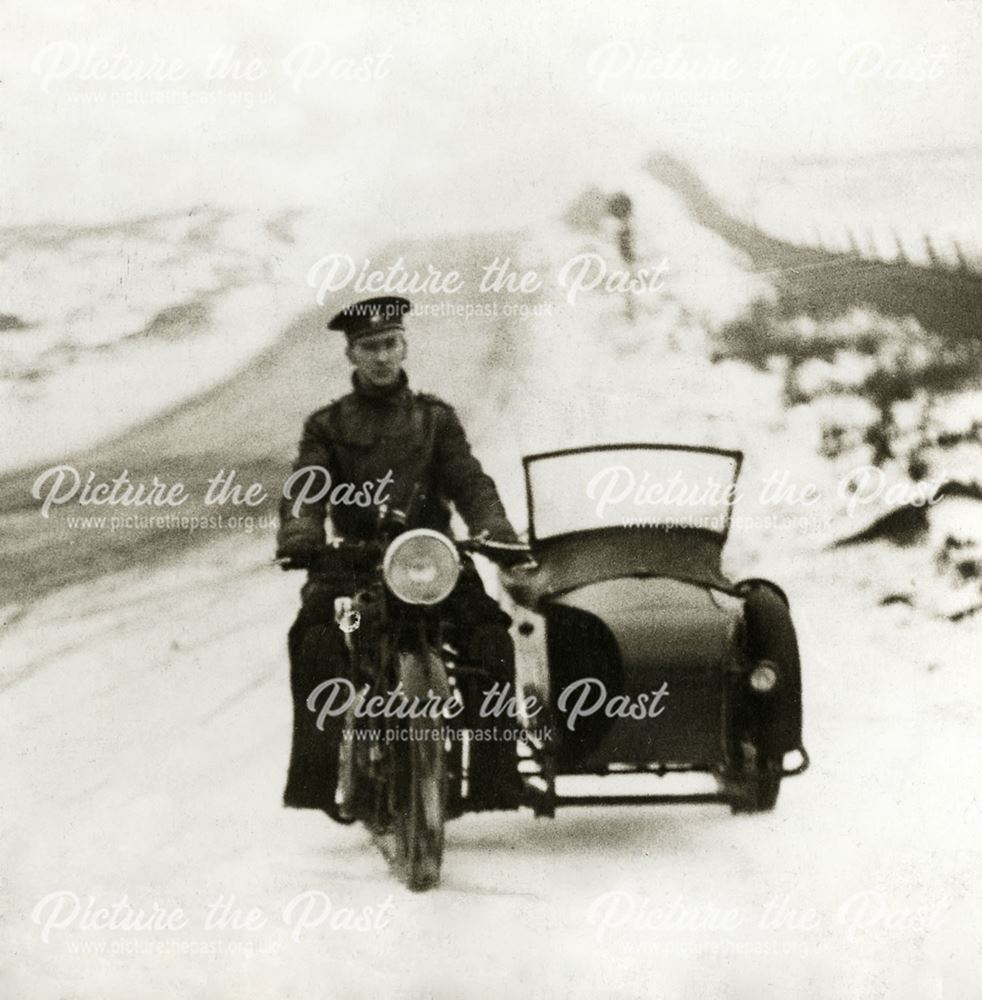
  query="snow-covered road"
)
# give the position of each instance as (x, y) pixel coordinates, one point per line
(149, 720)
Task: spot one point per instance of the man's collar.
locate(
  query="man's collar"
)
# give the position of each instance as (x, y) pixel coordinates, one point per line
(381, 394)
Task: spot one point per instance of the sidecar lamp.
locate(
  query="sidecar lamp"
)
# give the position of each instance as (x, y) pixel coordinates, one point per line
(763, 677)
(421, 567)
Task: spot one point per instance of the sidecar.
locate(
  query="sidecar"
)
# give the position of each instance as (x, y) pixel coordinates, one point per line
(636, 654)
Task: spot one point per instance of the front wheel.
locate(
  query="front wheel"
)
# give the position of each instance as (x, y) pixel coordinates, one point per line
(419, 820)
(421, 786)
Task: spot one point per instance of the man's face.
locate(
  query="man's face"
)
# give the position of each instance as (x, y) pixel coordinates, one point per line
(379, 357)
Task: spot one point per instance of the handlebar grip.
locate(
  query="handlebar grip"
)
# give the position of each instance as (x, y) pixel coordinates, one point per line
(506, 554)
(480, 544)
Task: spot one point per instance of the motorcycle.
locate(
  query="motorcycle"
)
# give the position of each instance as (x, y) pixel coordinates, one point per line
(405, 752)
(635, 654)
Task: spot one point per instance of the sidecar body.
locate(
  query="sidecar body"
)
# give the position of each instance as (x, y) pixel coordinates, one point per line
(636, 654)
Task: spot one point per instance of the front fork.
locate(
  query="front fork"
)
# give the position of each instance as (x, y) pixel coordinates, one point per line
(408, 660)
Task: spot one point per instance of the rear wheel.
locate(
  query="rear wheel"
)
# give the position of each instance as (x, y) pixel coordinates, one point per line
(347, 786)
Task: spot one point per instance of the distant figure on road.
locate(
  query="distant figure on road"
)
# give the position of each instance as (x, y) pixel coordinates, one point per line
(619, 206)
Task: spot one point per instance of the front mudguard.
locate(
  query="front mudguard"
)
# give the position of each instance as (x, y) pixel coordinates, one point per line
(769, 634)
(421, 670)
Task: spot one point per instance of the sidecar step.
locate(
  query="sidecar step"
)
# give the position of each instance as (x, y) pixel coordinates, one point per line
(698, 798)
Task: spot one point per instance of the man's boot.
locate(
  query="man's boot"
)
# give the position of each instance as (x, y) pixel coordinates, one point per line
(317, 653)
(494, 779)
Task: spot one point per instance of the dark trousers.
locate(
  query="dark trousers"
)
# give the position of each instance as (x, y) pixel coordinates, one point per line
(318, 653)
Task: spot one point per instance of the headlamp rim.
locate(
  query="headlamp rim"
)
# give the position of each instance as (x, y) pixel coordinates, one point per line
(402, 539)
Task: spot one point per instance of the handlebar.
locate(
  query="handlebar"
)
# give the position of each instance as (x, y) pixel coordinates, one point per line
(509, 553)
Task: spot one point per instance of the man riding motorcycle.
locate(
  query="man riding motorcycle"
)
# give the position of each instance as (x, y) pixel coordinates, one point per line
(413, 446)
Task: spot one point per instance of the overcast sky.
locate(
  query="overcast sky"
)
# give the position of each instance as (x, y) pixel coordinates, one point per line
(484, 115)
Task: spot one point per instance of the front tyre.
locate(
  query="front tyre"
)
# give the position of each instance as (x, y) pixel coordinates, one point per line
(419, 821)
(421, 784)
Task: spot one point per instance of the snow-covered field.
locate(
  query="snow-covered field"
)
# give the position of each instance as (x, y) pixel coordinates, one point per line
(109, 325)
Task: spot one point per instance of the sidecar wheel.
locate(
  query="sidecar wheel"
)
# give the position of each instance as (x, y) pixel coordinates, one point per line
(757, 794)
(755, 785)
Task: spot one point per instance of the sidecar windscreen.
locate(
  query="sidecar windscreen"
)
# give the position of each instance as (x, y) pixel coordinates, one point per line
(658, 487)
(627, 511)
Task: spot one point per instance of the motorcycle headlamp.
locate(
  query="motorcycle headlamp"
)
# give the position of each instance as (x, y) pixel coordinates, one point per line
(763, 677)
(421, 567)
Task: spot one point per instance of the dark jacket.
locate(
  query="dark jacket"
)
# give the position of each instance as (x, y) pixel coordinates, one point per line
(400, 438)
